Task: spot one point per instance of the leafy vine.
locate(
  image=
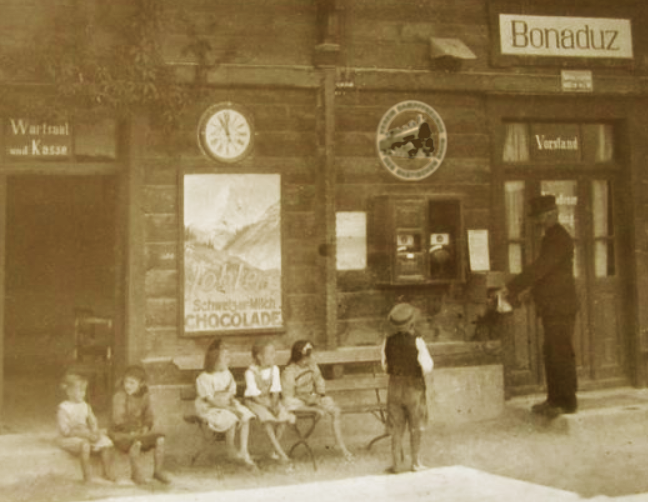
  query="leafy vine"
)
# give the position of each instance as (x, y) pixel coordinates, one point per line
(75, 74)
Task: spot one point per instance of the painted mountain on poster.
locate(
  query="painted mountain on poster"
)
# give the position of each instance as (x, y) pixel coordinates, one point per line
(219, 209)
(259, 244)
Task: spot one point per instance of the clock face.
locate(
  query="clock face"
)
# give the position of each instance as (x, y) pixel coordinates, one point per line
(225, 133)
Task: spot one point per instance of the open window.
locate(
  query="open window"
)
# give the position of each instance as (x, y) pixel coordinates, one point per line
(416, 240)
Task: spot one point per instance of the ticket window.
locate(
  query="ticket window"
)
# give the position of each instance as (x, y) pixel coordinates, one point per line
(416, 240)
(410, 261)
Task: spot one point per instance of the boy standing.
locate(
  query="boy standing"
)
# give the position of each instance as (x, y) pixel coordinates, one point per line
(407, 360)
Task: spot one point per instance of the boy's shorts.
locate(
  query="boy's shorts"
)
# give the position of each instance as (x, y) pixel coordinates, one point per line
(75, 444)
(406, 403)
(123, 440)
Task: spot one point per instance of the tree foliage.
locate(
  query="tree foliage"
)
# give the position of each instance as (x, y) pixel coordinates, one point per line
(79, 69)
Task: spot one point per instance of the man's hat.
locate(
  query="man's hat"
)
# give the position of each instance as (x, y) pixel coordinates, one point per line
(401, 314)
(542, 204)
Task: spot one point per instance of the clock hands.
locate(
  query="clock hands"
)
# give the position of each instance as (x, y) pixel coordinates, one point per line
(227, 135)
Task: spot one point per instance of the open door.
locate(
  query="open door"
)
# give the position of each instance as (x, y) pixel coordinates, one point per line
(61, 255)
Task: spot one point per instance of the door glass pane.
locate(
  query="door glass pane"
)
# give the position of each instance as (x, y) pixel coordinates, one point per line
(516, 142)
(604, 262)
(515, 258)
(565, 192)
(514, 208)
(598, 141)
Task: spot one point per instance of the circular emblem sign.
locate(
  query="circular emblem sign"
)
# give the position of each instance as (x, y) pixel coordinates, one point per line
(411, 140)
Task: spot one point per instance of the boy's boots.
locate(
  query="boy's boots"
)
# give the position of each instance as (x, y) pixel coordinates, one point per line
(158, 458)
(136, 469)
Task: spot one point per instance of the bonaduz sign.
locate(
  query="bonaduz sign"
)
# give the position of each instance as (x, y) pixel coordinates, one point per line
(584, 37)
(411, 140)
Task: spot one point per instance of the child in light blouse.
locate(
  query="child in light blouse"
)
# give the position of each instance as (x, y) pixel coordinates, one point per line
(216, 403)
(262, 395)
(79, 431)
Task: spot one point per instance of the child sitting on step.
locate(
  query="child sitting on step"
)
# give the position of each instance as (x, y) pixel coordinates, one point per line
(132, 424)
(79, 430)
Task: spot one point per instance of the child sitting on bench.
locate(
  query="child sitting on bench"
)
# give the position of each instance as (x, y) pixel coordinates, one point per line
(216, 403)
(304, 389)
(262, 396)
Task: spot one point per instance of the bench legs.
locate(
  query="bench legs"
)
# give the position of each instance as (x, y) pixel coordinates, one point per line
(208, 436)
(302, 436)
(377, 438)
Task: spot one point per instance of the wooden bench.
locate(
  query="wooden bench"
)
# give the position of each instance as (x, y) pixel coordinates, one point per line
(208, 437)
(354, 394)
(349, 386)
(339, 389)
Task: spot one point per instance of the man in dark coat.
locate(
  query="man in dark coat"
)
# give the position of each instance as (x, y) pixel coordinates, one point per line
(551, 279)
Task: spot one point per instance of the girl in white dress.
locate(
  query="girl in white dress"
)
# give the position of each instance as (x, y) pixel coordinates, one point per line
(262, 395)
(215, 402)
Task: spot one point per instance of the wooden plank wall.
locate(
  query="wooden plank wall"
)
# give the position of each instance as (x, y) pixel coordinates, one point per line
(286, 143)
(465, 173)
(393, 34)
(254, 32)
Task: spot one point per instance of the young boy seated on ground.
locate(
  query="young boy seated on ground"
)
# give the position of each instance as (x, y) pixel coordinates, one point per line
(406, 360)
(132, 424)
(79, 430)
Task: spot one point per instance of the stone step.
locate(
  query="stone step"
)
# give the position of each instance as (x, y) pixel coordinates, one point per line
(24, 456)
(618, 413)
(28, 456)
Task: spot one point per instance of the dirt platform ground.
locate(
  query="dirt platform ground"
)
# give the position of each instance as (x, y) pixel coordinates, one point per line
(602, 451)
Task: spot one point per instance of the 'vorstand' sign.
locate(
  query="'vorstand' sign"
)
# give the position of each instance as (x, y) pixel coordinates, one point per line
(411, 140)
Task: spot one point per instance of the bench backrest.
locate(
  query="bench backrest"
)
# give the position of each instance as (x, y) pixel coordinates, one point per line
(347, 384)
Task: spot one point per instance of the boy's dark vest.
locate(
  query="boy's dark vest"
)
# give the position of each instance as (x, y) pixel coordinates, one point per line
(401, 355)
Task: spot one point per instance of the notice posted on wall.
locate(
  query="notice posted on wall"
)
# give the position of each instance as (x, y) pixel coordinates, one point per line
(232, 253)
(478, 250)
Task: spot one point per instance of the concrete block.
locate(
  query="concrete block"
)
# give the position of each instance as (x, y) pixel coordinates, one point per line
(468, 394)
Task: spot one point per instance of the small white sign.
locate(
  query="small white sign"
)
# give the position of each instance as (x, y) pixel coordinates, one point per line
(576, 81)
(584, 37)
(351, 233)
(478, 250)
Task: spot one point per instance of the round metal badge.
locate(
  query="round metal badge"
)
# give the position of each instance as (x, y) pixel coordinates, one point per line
(411, 140)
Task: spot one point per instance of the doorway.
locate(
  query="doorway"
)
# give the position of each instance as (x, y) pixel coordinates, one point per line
(585, 176)
(60, 258)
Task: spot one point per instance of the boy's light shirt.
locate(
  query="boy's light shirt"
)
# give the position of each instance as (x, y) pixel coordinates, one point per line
(424, 357)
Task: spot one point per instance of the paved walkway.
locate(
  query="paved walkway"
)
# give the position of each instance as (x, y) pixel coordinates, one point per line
(448, 484)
